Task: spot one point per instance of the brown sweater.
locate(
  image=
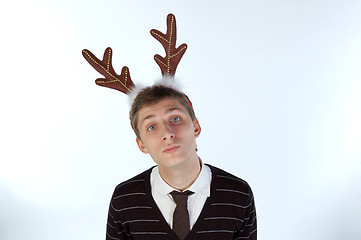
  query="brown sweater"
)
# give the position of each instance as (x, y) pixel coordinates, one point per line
(229, 212)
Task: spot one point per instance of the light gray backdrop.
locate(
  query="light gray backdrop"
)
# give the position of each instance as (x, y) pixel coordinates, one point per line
(275, 84)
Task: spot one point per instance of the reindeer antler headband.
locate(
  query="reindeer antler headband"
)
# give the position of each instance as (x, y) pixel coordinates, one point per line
(123, 82)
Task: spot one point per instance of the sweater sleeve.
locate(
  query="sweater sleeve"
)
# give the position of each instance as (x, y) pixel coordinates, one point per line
(115, 229)
(248, 231)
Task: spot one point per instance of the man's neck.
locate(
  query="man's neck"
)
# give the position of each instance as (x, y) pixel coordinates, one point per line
(181, 177)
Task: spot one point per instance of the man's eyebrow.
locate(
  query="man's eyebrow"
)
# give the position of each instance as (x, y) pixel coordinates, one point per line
(147, 117)
(150, 116)
(169, 110)
(174, 109)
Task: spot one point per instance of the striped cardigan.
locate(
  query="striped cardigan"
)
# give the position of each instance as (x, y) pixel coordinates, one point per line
(229, 212)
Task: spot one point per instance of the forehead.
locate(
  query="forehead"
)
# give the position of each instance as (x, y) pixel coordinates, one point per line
(163, 106)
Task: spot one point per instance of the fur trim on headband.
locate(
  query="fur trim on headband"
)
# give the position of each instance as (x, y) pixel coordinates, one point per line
(165, 81)
(134, 93)
(169, 82)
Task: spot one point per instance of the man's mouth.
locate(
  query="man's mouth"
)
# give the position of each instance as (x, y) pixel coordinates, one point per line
(171, 148)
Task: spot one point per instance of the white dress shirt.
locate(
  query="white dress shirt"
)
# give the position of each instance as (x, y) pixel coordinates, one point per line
(165, 202)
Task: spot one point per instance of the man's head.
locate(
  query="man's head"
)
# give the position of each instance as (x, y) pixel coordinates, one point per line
(166, 128)
(152, 95)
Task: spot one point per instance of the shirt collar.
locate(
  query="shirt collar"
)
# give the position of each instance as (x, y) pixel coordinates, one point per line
(203, 182)
(159, 186)
(200, 186)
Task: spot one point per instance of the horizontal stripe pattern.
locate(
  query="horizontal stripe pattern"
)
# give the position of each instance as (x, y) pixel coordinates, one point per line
(228, 214)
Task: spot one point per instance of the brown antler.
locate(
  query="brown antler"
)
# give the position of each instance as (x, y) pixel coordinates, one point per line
(169, 63)
(112, 80)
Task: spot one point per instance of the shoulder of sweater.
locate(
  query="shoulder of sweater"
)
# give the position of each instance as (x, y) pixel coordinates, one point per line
(135, 181)
(228, 180)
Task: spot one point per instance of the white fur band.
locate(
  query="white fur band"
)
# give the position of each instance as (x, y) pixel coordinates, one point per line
(166, 81)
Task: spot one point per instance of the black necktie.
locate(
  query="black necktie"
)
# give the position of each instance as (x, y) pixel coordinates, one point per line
(180, 216)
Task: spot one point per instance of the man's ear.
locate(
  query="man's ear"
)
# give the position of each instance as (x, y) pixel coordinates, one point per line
(141, 146)
(197, 128)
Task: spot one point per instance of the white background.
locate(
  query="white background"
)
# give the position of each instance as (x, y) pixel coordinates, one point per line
(275, 84)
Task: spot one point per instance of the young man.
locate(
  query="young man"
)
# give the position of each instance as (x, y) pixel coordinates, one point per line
(181, 197)
(222, 205)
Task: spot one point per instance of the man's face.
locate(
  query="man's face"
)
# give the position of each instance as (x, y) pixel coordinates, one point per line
(168, 134)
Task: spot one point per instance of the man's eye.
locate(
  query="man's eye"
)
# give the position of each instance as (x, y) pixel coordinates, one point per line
(151, 128)
(176, 119)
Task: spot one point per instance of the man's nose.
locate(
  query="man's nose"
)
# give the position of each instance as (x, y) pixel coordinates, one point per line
(167, 132)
